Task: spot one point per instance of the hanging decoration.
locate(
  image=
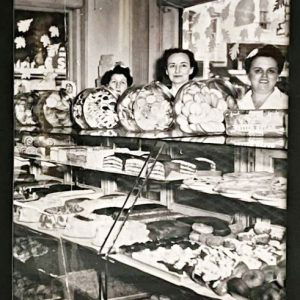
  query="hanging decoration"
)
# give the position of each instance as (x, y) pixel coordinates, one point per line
(244, 13)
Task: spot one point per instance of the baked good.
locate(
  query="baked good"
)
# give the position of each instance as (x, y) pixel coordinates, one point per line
(132, 232)
(202, 183)
(219, 287)
(237, 227)
(262, 227)
(245, 236)
(99, 109)
(53, 109)
(125, 109)
(113, 162)
(57, 216)
(28, 215)
(281, 276)
(263, 238)
(220, 227)
(23, 104)
(134, 165)
(185, 167)
(202, 228)
(231, 243)
(238, 286)
(253, 278)
(240, 269)
(199, 237)
(270, 272)
(199, 108)
(168, 229)
(77, 108)
(214, 241)
(152, 108)
(255, 122)
(80, 228)
(139, 211)
(47, 221)
(267, 291)
(277, 233)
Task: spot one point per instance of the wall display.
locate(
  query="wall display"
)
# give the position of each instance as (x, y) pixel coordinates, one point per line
(208, 27)
(40, 44)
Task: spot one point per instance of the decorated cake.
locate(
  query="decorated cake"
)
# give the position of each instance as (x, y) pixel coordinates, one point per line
(152, 108)
(200, 107)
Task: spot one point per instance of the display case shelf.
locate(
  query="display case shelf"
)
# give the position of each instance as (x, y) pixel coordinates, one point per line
(280, 143)
(229, 154)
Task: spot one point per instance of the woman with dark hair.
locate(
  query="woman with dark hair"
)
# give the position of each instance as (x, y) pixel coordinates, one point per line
(118, 79)
(263, 66)
(180, 66)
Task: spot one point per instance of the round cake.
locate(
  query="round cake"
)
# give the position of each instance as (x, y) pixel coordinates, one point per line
(125, 109)
(99, 109)
(153, 108)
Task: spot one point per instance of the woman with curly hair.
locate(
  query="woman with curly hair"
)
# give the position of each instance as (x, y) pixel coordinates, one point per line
(180, 66)
(118, 79)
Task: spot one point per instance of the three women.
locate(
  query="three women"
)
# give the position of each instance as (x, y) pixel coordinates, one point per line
(263, 67)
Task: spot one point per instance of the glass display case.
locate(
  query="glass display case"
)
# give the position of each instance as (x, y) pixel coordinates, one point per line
(99, 213)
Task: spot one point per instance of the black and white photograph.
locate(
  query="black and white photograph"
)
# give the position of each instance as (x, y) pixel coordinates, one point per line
(150, 149)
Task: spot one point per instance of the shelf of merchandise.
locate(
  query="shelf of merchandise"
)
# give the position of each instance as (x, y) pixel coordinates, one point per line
(248, 152)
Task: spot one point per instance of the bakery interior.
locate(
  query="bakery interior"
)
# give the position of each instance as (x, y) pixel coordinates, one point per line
(116, 203)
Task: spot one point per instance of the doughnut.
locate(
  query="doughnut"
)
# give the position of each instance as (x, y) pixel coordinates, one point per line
(266, 291)
(240, 269)
(281, 275)
(238, 286)
(202, 228)
(253, 278)
(270, 272)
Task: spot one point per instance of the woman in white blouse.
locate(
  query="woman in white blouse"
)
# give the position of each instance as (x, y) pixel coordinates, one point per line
(263, 66)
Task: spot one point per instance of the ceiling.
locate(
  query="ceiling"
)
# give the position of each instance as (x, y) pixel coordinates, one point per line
(181, 3)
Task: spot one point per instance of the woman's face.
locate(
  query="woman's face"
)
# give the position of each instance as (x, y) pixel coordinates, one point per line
(118, 83)
(263, 74)
(179, 68)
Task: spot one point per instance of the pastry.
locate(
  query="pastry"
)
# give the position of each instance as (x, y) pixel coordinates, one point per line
(263, 238)
(253, 278)
(238, 286)
(214, 241)
(202, 228)
(99, 109)
(270, 272)
(125, 109)
(220, 227)
(152, 108)
(79, 228)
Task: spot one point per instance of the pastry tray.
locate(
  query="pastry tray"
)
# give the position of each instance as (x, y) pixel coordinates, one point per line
(176, 279)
